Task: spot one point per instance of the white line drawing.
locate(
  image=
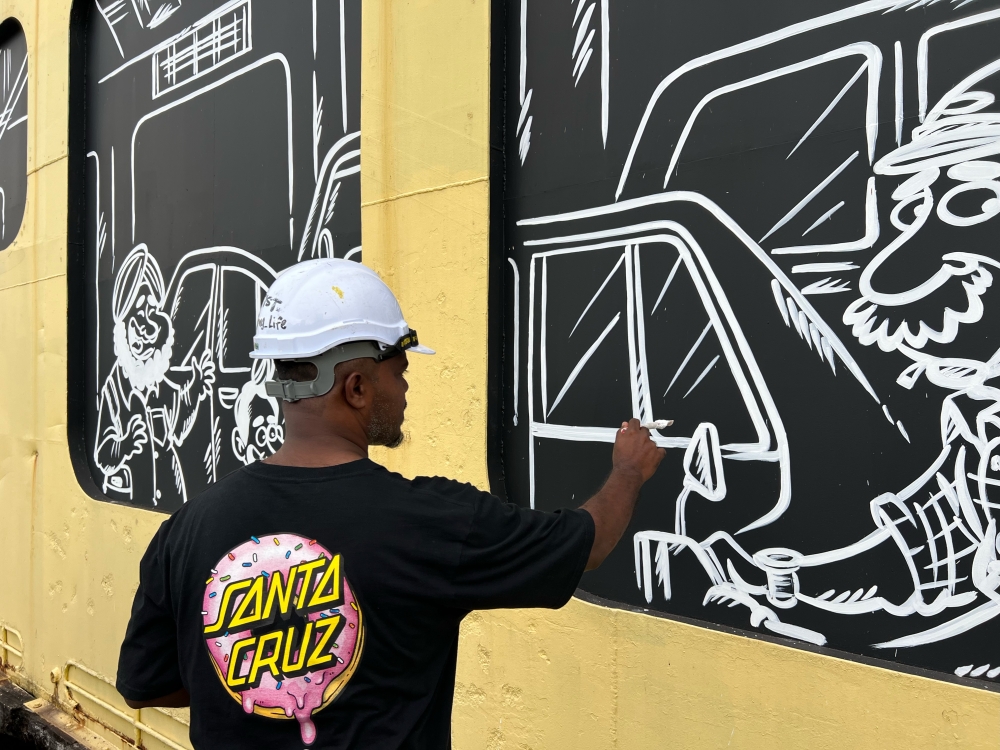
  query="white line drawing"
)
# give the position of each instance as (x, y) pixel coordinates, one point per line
(778, 565)
(137, 390)
(898, 57)
(343, 67)
(923, 50)
(220, 37)
(178, 401)
(581, 46)
(517, 332)
(605, 70)
(812, 194)
(524, 97)
(13, 105)
(317, 127)
(202, 23)
(152, 14)
(276, 57)
(845, 300)
(824, 217)
(99, 245)
(114, 13)
(258, 432)
(831, 105)
(855, 11)
(10, 102)
(317, 242)
(149, 405)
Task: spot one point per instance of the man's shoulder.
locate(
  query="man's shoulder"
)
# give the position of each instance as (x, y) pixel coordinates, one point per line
(448, 490)
(220, 493)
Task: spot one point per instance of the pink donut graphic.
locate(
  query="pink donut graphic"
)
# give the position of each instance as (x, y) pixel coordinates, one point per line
(283, 627)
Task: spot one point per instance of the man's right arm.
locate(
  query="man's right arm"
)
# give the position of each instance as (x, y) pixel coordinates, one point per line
(516, 557)
(634, 461)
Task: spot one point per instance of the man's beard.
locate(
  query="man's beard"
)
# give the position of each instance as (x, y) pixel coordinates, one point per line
(142, 374)
(384, 429)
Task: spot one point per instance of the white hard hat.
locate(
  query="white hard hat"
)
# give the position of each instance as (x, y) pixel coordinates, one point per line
(319, 304)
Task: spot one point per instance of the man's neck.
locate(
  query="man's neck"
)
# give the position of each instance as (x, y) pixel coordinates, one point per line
(318, 449)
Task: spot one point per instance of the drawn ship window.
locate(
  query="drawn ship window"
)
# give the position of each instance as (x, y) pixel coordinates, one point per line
(690, 377)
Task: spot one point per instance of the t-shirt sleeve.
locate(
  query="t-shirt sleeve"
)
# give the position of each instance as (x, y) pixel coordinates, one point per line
(516, 557)
(148, 666)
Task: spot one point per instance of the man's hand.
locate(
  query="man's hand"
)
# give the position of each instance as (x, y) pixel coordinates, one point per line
(635, 452)
(634, 461)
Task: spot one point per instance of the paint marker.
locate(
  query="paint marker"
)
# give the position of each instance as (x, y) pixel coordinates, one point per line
(659, 424)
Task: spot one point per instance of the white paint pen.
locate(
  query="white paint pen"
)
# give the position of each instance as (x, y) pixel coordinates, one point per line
(659, 424)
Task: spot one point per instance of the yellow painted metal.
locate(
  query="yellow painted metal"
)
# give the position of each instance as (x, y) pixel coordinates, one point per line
(425, 213)
(138, 720)
(583, 677)
(69, 564)
(11, 643)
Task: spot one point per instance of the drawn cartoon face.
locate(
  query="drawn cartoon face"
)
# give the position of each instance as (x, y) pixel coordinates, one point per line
(262, 436)
(928, 281)
(147, 325)
(259, 431)
(268, 434)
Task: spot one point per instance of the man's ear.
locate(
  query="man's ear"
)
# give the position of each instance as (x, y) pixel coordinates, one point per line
(357, 389)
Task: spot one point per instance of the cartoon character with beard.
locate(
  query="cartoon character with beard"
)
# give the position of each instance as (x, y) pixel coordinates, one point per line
(144, 414)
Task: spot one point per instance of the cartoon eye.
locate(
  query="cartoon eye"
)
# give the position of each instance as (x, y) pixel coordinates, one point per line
(140, 301)
(258, 421)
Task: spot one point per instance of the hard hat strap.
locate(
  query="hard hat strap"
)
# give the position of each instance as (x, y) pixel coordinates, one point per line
(293, 390)
(407, 341)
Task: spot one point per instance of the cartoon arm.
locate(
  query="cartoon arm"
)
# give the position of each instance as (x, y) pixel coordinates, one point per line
(115, 444)
(190, 394)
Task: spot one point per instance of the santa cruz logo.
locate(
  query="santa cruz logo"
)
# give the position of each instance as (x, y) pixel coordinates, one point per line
(283, 627)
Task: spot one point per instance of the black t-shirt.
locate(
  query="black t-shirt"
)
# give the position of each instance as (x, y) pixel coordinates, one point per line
(320, 607)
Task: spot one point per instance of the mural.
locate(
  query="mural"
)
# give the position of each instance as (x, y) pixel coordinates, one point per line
(774, 224)
(222, 143)
(13, 130)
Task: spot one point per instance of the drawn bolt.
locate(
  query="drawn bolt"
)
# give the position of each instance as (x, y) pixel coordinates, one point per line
(780, 565)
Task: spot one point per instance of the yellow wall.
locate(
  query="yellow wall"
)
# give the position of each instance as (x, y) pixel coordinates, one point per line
(68, 564)
(583, 677)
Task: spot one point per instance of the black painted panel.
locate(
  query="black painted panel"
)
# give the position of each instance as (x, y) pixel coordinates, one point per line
(705, 220)
(13, 130)
(222, 145)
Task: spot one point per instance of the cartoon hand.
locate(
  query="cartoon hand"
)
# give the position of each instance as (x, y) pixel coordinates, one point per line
(204, 372)
(135, 437)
